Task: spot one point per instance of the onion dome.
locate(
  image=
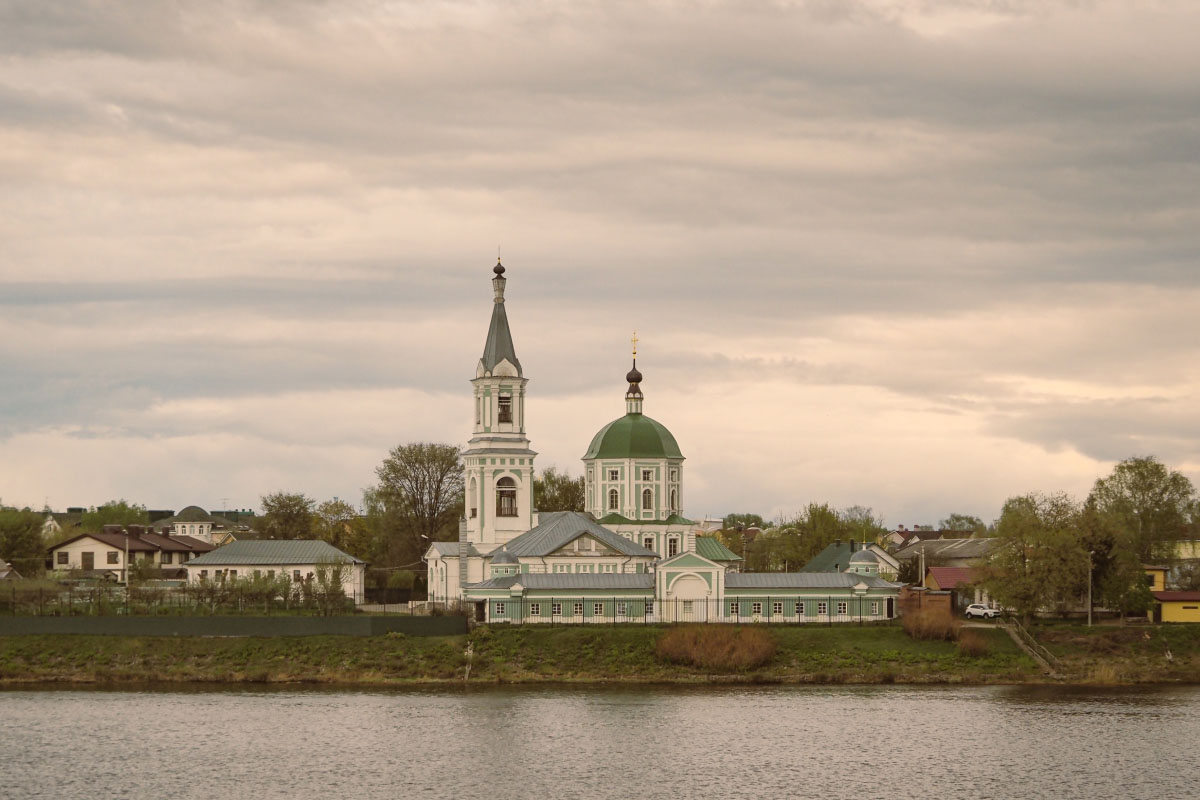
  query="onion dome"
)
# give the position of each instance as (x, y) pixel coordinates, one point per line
(864, 556)
(504, 557)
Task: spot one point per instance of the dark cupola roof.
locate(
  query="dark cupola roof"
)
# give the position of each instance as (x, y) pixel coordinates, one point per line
(499, 346)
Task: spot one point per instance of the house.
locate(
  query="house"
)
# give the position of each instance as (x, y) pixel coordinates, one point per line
(197, 523)
(1156, 578)
(962, 581)
(1176, 607)
(631, 555)
(7, 573)
(949, 552)
(837, 556)
(296, 559)
(59, 522)
(105, 554)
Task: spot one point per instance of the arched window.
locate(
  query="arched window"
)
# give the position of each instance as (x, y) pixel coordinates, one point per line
(506, 497)
(647, 500)
(614, 500)
(474, 499)
(674, 502)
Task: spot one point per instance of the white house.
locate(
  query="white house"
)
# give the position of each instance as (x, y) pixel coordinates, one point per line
(296, 559)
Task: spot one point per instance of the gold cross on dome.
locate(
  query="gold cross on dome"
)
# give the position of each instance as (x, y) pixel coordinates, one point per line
(635, 341)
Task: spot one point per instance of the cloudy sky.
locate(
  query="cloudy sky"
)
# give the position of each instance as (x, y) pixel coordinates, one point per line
(919, 256)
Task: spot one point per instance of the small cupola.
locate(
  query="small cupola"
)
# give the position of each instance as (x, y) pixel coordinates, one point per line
(633, 395)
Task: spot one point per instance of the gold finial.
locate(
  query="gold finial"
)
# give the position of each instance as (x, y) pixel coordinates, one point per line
(635, 341)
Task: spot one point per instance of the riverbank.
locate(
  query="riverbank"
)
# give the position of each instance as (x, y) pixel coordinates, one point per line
(623, 654)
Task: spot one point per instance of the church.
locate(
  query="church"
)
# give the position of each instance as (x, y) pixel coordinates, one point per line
(631, 556)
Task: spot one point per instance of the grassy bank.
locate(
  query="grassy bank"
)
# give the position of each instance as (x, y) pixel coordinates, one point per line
(595, 655)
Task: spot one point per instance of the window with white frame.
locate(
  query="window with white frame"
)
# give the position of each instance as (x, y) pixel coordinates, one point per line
(647, 500)
(535, 609)
(578, 607)
(822, 608)
(504, 407)
(874, 606)
(614, 500)
(687, 606)
(608, 567)
(756, 608)
(296, 575)
(649, 607)
(506, 497)
(556, 609)
(62, 557)
(614, 475)
(114, 557)
(562, 567)
(584, 568)
(622, 609)
(776, 608)
(799, 609)
(674, 475)
(648, 542)
(499, 609)
(233, 573)
(597, 609)
(674, 501)
(842, 608)
(733, 608)
(203, 574)
(672, 547)
(647, 475)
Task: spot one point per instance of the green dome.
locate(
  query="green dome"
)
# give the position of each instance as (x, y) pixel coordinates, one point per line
(633, 436)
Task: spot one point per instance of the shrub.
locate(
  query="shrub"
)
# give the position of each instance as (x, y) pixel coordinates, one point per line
(971, 643)
(932, 625)
(720, 648)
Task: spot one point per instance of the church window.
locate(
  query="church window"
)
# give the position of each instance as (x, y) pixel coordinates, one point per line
(556, 609)
(506, 497)
(505, 408)
(597, 609)
(648, 542)
(776, 608)
(674, 475)
(622, 610)
(578, 609)
(647, 475)
(474, 494)
(756, 608)
(535, 609)
(647, 500)
(799, 609)
(674, 501)
(614, 500)
(822, 608)
(733, 608)
(499, 609)
(672, 548)
(613, 475)
(478, 411)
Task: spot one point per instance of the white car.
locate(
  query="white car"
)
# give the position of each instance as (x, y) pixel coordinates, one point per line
(982, 611)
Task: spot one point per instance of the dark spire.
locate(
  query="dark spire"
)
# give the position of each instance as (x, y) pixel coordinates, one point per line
(499, 344)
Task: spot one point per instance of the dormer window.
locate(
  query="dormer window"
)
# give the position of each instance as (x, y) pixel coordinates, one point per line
(506, 497)
(505, 408)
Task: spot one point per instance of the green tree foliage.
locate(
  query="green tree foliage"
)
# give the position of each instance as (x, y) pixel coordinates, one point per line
(794, 542)
(337, 522)
(114, 512)
(741, 521)
(1151, 505)
(1039, 561)
(21, 542)
(286, 515)
(963, 522)
(558, 491)
(419, 499)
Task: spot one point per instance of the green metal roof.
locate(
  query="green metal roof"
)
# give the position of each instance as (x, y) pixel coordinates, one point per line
(713, 550)
(499, 344)
(558, 528)
(617, 519)
(287, 551)
(633, 436)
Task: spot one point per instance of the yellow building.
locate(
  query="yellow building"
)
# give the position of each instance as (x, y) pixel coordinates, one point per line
(1177, 607)
(1158, 578)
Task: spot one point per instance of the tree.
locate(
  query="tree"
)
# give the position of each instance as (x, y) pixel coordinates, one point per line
(1150, 503)
(1039, 561)
(21, 542)
(963, 522)
(555, 491)
(740, 521)
(286, 516)
(114, 512)
(335, 521)
(419, 499)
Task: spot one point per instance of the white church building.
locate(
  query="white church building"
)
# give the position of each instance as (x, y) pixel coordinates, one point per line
(632, 555)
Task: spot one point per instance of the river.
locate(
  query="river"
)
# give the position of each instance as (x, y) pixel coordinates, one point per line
(543, 743)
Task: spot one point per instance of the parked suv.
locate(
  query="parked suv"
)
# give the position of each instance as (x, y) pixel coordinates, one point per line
(982, 611)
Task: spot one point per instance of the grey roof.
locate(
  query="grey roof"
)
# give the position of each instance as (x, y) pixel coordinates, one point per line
(802, 580)
(835, 557)
(864, 557)
(638, 581)
(288, 551)
(502, 556)
(557, 528)
(193, 514)
(499, 344)
(443, 549)
(949, 548)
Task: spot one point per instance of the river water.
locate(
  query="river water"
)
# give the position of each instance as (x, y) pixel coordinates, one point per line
(778, 742)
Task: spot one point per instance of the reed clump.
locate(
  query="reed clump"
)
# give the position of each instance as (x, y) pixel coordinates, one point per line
(973, 644)
(719, 648)
(932, 625)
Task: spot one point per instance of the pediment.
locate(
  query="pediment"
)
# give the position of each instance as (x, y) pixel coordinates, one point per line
(689, 561)
(588, 546)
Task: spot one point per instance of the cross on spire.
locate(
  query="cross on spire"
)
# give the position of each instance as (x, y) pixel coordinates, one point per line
(635, 341)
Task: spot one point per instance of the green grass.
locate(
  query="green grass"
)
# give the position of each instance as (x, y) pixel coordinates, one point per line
(849, 654)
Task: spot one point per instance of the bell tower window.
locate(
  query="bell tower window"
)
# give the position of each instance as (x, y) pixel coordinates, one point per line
(614, 500)
(506, 497)
(674, 501)
(505, 408)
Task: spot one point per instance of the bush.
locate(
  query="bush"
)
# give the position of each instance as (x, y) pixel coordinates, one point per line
(932, 625)
(971, 643)
(720, 648)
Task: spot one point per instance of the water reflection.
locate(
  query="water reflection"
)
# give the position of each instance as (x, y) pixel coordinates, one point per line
(827, 742)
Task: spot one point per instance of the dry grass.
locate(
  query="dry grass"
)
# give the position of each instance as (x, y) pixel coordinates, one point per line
(932, 625)
(971, 643)
(720, 648)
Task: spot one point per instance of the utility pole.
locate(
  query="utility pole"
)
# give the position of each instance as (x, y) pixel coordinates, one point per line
(1090, 554)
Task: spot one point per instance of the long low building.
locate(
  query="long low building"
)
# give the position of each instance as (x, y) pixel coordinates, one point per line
(299, 560)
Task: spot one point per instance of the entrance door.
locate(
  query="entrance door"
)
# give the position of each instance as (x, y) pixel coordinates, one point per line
(891, 608)
(481, 611)
(89, 560)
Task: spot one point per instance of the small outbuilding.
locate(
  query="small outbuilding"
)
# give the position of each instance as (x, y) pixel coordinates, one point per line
(1177, 607)
(296, 559)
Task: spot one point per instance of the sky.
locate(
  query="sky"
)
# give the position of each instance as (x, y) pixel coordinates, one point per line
(911, 255)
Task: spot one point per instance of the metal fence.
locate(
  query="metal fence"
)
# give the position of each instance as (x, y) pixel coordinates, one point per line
(197, 600)
(621, 611)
